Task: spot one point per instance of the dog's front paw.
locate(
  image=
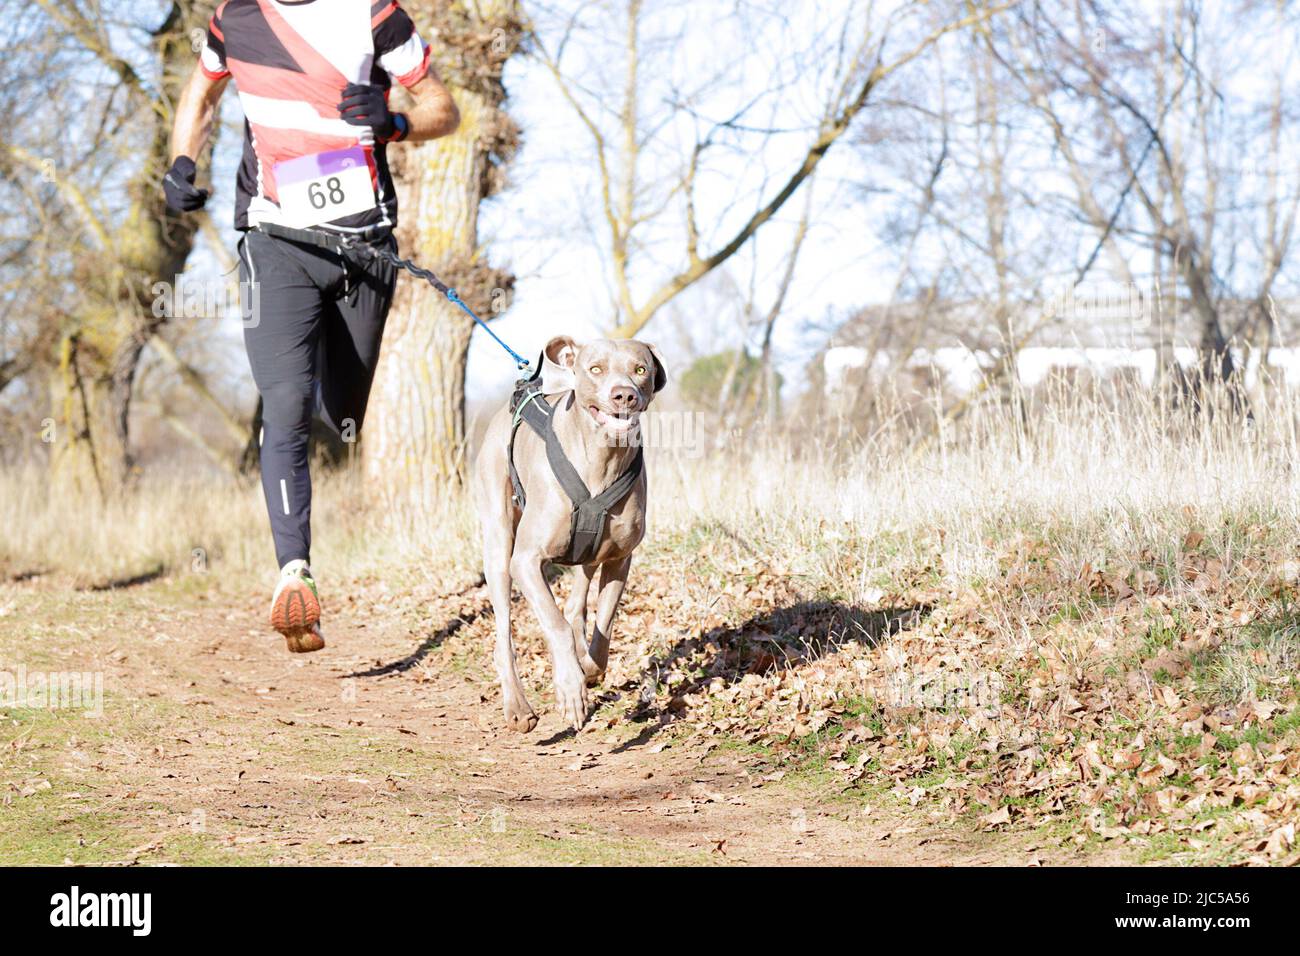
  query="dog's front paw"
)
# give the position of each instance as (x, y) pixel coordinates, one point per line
(519, 716)
(571, 698)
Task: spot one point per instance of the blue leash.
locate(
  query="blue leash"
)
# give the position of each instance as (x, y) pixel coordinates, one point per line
(520, 362)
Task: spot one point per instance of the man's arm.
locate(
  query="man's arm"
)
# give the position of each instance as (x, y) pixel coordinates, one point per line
(435, 113)
(196, 113)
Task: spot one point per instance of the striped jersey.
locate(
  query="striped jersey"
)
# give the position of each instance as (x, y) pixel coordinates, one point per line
(290, 62)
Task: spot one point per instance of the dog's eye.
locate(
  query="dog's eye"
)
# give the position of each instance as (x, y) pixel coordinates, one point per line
(595, 370)
(640, 369)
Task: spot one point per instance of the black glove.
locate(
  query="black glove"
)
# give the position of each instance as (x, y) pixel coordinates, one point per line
(363, 105)
(178, 186)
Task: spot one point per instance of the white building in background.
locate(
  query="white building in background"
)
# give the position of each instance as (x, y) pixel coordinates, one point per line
(962, 369)
(1102, 329)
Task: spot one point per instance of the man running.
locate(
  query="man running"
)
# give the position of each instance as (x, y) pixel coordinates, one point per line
(313, 78)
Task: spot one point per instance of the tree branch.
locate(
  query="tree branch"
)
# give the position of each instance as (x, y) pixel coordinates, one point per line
(831, 132)
(71, 193)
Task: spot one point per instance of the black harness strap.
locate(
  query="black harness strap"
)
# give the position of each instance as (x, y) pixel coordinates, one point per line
(590, 512)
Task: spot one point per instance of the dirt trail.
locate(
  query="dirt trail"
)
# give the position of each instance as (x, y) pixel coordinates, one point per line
(388, 747)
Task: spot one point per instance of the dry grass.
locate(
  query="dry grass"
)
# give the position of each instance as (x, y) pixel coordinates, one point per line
(1091, 477)
(1108, 596)
(1122, 575)
(174, 525)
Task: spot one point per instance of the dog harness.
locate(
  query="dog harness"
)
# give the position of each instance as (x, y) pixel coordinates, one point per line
(590, 512)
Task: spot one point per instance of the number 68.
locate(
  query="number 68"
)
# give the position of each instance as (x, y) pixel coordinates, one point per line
(319, 198)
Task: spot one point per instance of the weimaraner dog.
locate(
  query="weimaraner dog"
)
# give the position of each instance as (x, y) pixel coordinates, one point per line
(602, 388)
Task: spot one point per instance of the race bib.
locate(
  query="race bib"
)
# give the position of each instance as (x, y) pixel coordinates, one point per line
(324, 187)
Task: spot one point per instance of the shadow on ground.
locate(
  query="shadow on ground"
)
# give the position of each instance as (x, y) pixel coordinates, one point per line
(778, 639)
(427, 646)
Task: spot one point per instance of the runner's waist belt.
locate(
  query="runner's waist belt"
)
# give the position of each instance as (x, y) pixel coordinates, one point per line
(334, 241)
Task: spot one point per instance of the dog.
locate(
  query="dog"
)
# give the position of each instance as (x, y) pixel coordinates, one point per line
(597, 392)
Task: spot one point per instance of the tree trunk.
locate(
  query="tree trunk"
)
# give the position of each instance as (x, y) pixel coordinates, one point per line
(414, 447)
(83, 456)
(100, 346)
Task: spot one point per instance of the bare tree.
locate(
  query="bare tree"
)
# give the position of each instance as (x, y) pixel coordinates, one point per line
(1179, 190)
(862, 50)
(109, 238)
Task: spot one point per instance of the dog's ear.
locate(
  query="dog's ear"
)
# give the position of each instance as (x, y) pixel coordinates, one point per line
(558, 359)
(661, 376)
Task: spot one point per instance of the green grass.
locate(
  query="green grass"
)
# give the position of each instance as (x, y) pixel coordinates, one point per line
(1260, 662)
(1172, 848)
(80, 820)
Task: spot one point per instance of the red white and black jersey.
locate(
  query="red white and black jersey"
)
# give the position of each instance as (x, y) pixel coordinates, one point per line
(290, 62)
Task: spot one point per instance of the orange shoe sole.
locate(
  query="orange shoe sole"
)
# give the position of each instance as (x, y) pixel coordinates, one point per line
(295, 611)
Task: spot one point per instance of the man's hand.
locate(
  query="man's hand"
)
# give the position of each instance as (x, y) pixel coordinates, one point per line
(178, 186)
(363, 104)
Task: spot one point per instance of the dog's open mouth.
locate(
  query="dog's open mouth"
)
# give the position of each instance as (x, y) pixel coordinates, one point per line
(616, 421)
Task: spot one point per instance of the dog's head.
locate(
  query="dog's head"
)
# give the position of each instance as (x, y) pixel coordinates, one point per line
(613, 381)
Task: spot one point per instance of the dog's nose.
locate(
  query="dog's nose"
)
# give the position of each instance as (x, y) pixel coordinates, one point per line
(622, 396)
